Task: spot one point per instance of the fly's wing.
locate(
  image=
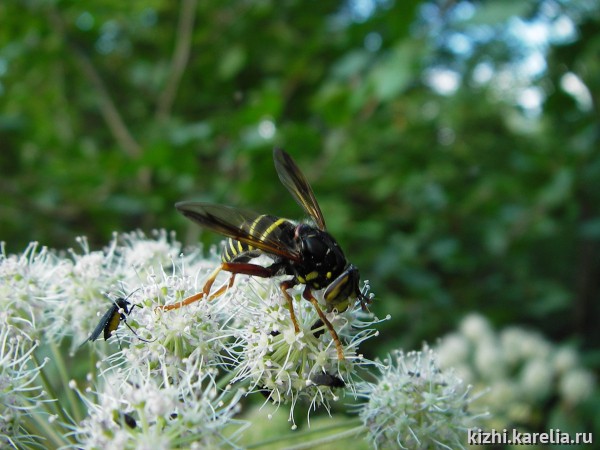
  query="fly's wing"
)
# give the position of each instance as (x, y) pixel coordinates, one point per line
(295, 182)
(236, 224)
(102, 324)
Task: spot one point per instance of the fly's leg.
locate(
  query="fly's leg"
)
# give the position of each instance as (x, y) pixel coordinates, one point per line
(204, 293)
(235, 269)
(284, 287)
(307, 294)
(266, 272)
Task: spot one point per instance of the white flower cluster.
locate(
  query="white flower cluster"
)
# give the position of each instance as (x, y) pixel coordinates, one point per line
(416, 405)
(20, 390)
(521, 369)
(169, 378)
(137, 408)
(286, 366)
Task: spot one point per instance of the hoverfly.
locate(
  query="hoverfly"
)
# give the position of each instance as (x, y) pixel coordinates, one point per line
(117, 313)
(306, 252)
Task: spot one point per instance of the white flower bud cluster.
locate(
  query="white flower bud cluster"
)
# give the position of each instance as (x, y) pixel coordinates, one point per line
(414, 404)
(20, 389)
(520, 368)
(135, 408)
(286, 366)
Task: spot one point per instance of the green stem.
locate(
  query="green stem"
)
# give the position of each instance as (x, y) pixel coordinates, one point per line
(356, 425)
(50, 392)
(328, 439)
(225, 379)
(64, 377)
(50, 431)
(231, 393)
(37, 425)
(92, 364)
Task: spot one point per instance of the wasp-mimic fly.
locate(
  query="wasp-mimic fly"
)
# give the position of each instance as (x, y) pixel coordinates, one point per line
(305, 251)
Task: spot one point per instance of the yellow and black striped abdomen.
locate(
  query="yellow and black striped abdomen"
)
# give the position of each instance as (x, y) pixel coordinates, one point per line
(264, 228)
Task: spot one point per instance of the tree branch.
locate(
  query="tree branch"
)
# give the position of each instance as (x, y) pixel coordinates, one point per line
(109, 111)
(180, 58)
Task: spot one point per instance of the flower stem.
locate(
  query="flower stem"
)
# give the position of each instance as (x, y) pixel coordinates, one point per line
(356, 425)
(38, 425)
(64, 378)
(50, 391)
(328, 439)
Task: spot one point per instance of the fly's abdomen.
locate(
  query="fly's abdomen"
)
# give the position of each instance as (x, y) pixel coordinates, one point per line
(236, 251)
(262, 228)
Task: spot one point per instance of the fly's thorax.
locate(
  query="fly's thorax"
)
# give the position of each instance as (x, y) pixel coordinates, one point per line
(322, 259)
(123, 304)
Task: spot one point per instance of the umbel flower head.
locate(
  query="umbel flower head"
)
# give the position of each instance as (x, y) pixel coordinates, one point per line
(286, 366)
(28, 281)
(415, 405)
(91, 279)
(165, 378)
(141, 407)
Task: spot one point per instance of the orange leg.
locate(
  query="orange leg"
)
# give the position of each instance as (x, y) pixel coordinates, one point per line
(266, 272)
(234, 268)
(204, 293)
(246, 269)
(284, 287)
(338, 345)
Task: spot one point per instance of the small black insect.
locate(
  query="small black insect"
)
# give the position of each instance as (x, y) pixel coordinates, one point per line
(111, 319)
(325, 379)
(126, 419)
(318, 379)
(304, 251)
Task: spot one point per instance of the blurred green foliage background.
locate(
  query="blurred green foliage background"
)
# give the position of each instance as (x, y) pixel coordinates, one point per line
(453, 145)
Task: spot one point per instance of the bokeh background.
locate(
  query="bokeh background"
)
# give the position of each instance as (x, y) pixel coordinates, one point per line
(453, 145)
